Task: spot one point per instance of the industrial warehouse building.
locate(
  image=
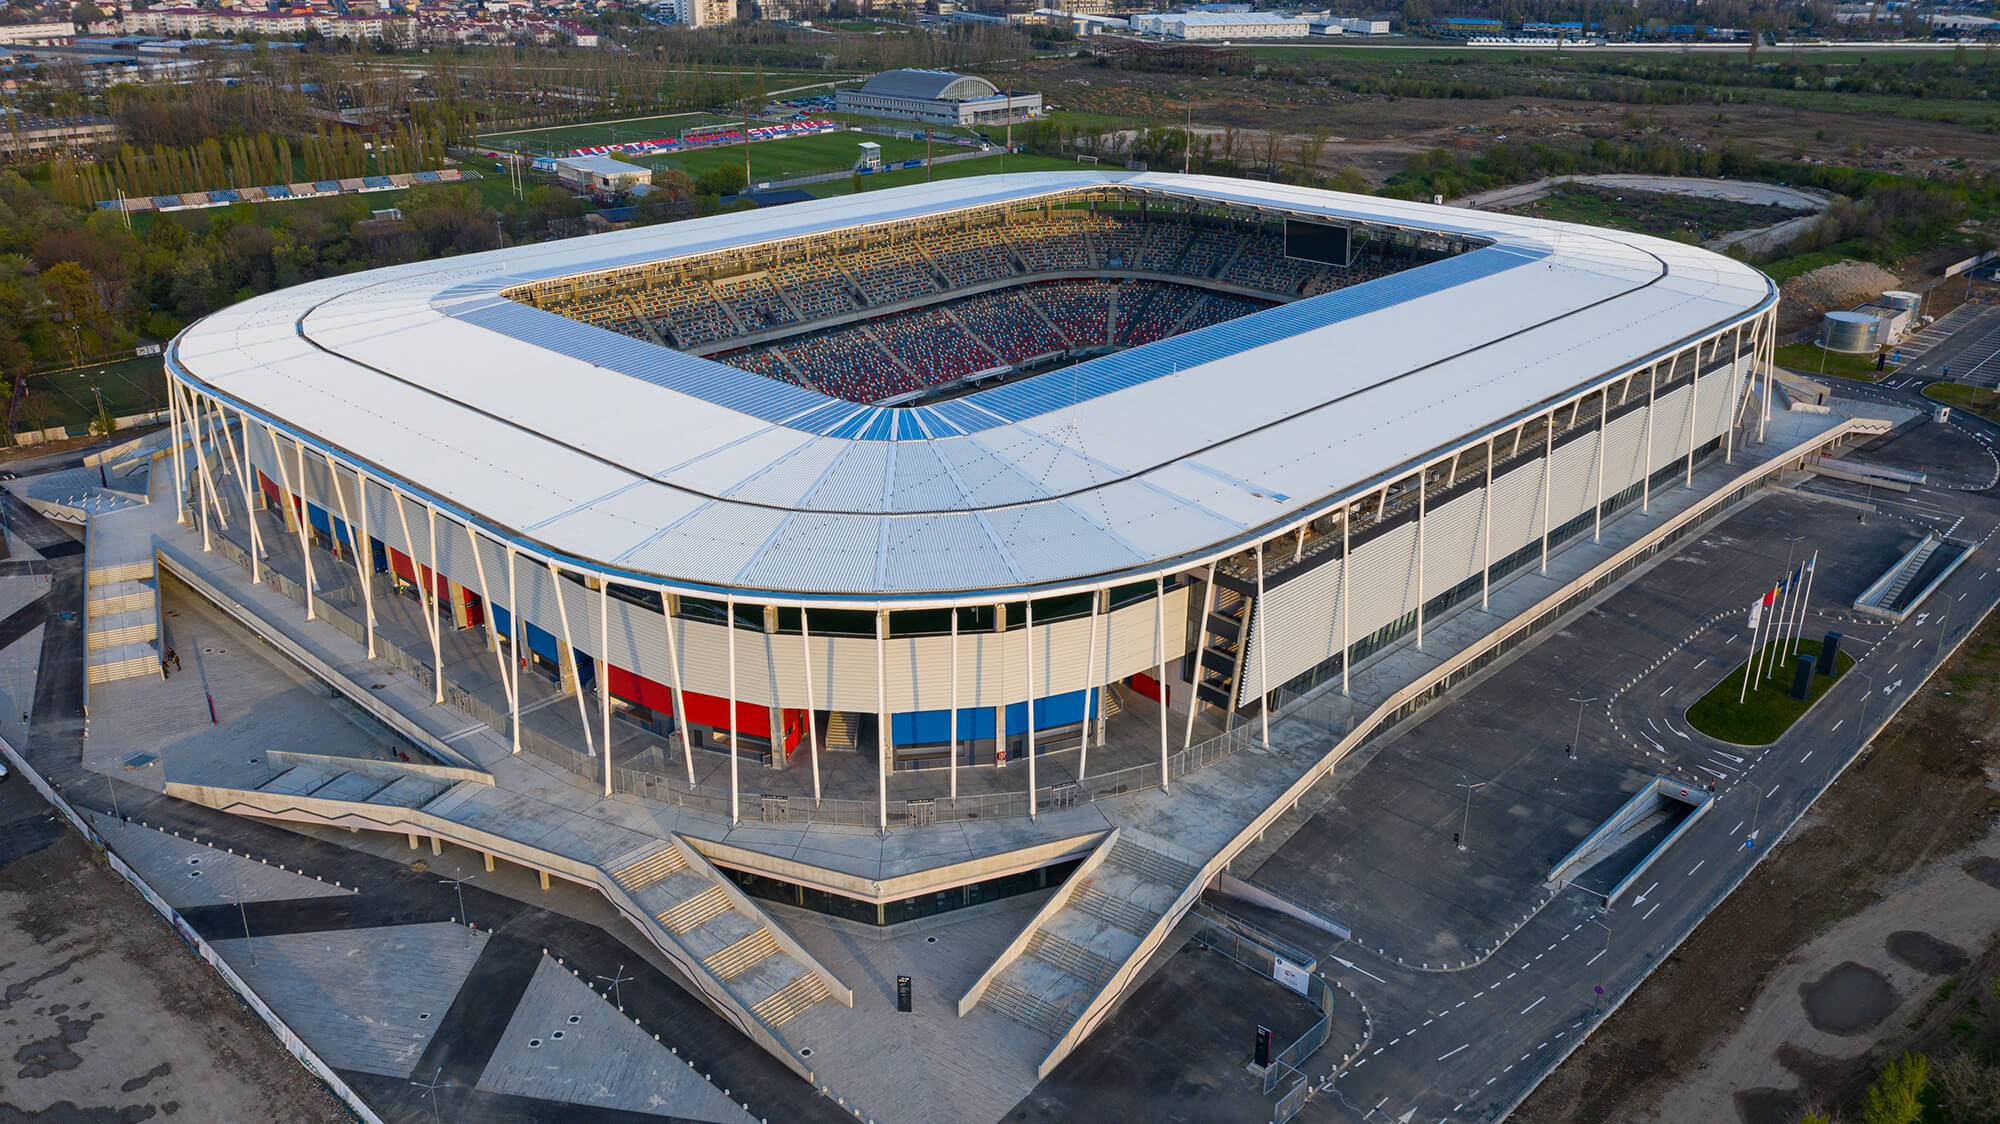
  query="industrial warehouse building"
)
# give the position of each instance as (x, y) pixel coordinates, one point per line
(938, 97)
(1286, 427)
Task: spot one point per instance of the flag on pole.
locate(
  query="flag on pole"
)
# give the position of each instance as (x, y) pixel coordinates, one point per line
(1758, 606)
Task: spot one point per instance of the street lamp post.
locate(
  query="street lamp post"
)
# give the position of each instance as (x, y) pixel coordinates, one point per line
(458, 883)
(1465, 824)
(1576, 739)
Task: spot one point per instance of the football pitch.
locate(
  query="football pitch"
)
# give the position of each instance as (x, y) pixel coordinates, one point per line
(794, 156)
(562, 138)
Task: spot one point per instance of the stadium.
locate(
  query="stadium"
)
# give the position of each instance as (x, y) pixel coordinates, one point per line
(971, 498)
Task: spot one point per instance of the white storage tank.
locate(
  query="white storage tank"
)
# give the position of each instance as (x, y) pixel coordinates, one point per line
(1902, 298)
(1849, 331)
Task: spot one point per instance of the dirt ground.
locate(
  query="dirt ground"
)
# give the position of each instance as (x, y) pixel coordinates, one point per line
(106, 1017)
(1376, 134)
(1907, 815)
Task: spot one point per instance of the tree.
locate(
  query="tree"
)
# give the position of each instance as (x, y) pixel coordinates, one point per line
(723, 179)
(83, 14)
(1897, 1096)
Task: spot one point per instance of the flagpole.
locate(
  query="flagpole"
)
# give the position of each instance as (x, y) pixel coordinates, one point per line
(1750, 661)
(1784, 609)
(1811, 570)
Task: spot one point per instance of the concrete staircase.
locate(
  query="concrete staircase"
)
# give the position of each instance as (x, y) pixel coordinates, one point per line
(1076, 946)
(735, 955)
(734, 940)
(121, 623)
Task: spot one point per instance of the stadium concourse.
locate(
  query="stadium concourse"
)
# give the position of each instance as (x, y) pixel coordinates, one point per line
(777, 525)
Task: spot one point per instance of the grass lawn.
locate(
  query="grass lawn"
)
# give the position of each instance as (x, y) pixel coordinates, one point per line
(1959, 396)
(1647, 212)
(562, 138)
(130, 386)
(1770, 709)
(796, 156)
(991, 165)
(1811, 359)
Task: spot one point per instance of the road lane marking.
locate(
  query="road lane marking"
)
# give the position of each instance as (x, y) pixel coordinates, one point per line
(1737, 828)
(1773, 792)
(1443, 1056)
(1594, 959)
(1533, 1005)
(1697, 866)
(1836, 725)
(1668, 691)
(1806, 758)
(1649, 912)
(1697, 667)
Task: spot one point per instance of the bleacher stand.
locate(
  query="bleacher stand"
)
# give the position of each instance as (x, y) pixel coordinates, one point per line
(1118, 243)
(816, 287)
(1148, 310)
(690, 309)
(1057, 244)
(844, 363)
(968, 257)
(762, 360)
(887, 274)
(1007, 323)
(1079, 309)
(932, 345)
(755, 303)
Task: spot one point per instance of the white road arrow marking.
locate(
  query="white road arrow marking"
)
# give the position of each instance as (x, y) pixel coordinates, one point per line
(1351, 966)
(1641, 899)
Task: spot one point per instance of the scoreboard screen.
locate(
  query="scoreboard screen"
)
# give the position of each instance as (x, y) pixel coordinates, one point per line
(1317, 242)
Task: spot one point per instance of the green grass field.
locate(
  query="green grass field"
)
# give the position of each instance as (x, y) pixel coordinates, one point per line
(1769, 709)
(986, 166)
(130, 386)
(797, 156)
(1957, 395)
(1812, 359)
(562, 138)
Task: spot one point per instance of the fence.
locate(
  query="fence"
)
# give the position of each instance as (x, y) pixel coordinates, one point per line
(291, 1041)
(1261, 952)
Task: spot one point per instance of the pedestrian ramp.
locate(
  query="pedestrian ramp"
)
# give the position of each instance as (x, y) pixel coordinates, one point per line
(742, 962)
(1612, 857)
(1084, 946)
(1898, 592)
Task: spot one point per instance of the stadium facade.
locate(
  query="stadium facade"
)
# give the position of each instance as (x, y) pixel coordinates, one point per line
(789, 482)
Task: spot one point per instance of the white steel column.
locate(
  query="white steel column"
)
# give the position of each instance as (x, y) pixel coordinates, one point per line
(427, 593)
(1486, 536)
(305, 522)
(1346, 565)
(812, 719)
(954, 702)
(1090, 665)
(176, 436)
(1694, 412)
(1805, 600)
(516, 628)
(1422, 499)
(250, 510)
(1160, 638)
(1730, 413)
(735, 723)
(368, 575)
(1548, 465)
(361, 553)
(882, 739)
(569, 646)
(486, 611)
(1770, 350)
(290, 498)
(437, 628)
(227, 457)
(1646, 476)
(1263, 666)
(674, 672)
(603, 671)
(1603, 415)
(1028, 643)
(1201, 645)
(205, 485)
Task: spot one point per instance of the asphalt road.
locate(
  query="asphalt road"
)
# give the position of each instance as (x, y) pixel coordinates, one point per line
(1467, 1044)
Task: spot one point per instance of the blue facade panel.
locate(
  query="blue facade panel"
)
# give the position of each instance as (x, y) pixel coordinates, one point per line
(933, 727)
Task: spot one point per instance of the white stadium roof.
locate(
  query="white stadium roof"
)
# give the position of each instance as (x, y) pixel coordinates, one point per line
(627, 457)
